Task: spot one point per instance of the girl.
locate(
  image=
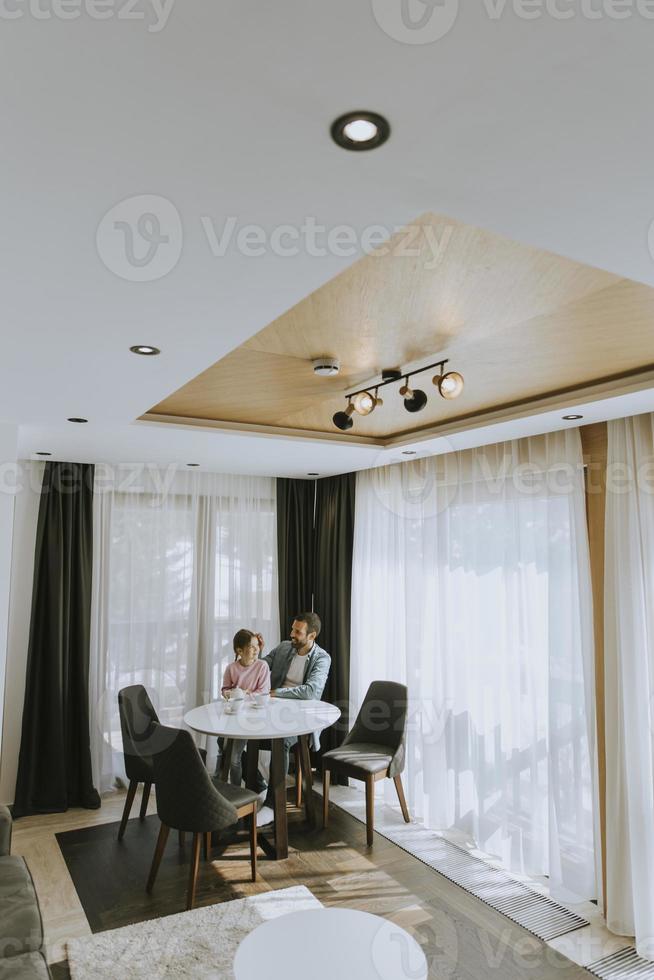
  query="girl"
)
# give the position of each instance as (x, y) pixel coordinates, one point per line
(252, 676)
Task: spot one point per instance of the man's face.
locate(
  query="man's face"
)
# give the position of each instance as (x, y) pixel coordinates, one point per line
(299, 635)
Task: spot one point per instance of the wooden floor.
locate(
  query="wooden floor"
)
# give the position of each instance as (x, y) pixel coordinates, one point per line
(461, 937)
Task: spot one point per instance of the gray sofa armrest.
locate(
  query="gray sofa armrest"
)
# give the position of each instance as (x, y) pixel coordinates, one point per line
(5, 830)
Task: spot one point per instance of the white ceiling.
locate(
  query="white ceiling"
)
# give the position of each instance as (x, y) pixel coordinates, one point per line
(537, 129)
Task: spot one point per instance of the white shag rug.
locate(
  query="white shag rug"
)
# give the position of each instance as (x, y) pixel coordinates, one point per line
(196, 945)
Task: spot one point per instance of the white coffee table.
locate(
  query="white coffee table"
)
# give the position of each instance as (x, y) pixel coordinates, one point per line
(278, 719)
(330, 944)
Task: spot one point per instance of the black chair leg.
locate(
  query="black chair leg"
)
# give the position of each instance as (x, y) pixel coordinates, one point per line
(158, 854)
(131, 793)
(144, 800)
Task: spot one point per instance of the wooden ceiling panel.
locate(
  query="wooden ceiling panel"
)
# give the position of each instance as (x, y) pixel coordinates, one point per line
(517, 322)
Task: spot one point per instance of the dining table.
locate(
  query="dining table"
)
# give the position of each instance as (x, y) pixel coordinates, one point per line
(268, 720)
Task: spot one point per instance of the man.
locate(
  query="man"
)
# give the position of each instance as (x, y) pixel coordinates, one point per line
(298, 670)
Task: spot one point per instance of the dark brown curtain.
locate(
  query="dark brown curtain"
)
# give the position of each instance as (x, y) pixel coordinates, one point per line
(54, 768)
(295, 548)
(315, 528)
(334, 540)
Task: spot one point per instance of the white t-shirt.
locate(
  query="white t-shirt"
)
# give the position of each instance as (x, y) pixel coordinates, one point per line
(295, 675)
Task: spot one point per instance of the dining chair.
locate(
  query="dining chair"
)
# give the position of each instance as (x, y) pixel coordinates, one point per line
(137, 716)
(374, 749)
(189, 800)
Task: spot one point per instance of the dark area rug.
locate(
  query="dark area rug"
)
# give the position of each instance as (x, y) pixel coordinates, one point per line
(110, 875)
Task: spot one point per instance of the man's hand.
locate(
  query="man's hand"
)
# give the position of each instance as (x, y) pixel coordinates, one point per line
(272, 694)
(260, 641)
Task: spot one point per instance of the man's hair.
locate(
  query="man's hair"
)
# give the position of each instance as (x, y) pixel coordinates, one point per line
(242, 639)
(312, 620)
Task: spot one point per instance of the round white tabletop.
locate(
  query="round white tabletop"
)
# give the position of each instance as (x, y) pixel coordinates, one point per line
(328, 943)
(279, 718)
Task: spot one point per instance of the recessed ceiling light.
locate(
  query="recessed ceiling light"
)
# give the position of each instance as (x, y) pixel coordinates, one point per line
(360, 130)
(43, 454)
(409, 452)
(145, 349)
(192, 464)
(313, 474)
(74, 419)
(572, 418)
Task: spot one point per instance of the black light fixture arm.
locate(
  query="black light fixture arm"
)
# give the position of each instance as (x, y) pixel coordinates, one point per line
(401, 374)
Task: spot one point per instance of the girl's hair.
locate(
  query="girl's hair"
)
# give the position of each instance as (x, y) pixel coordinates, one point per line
(242, 639)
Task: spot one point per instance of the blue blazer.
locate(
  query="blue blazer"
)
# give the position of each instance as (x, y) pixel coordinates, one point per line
(316, 671)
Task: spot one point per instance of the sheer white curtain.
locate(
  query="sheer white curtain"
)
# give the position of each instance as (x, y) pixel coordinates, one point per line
(181, 561)
(471, 585)
(629, 676)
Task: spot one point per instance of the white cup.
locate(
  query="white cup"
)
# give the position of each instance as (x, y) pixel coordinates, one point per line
(261, 699)
(233, 706)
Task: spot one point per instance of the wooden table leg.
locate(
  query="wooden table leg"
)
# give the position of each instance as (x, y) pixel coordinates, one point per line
(252, 764)
(278, 783)
(305, 756)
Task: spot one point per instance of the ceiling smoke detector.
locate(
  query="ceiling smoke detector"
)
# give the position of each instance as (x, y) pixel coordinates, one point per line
(326, 366)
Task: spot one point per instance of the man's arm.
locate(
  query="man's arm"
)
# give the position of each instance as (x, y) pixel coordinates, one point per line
(271, 656)
(314, 684)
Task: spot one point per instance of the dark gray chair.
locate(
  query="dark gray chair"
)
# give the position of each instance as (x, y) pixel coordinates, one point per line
(374, 749)
(137, 716)
(188, 799)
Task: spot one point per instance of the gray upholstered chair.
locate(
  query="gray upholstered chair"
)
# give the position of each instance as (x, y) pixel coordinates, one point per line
(137, 716)
(373, 749)
(188, 799)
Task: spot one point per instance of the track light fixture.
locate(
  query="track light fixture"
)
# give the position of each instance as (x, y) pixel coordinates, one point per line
(363, 402)
(449, 385)
(343, 420)
(414, 401)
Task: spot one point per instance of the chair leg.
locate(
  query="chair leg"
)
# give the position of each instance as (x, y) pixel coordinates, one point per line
(131, 793)
(325, 796)
(158, 854)
(298, 776)
(144, 800)
(370, 809)
(253, 842)
(401, 797)
(193, 874)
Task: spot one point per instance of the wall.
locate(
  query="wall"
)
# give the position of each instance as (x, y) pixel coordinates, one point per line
(8, 450)
(25, 507)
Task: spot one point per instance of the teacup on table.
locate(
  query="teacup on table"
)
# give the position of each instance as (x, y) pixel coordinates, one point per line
(261, 700)
(235, 699)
